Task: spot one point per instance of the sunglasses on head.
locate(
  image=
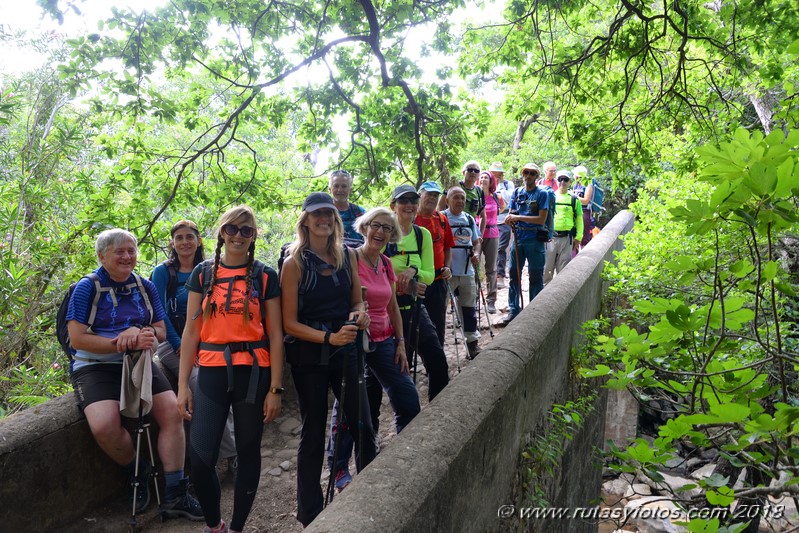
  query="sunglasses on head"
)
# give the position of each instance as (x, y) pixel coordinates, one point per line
(231, 230)
(473, 170)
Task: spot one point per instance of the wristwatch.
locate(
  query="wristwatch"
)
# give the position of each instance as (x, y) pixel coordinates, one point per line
(277, 390)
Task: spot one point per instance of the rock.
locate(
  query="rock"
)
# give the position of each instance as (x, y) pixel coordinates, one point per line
(285, 465)
(673, 484)
(266, 452)
(289, 425)
(615, 487)
(675, 463)
(710, 454)
(655, 514)
(693, 463)
(637, 490)
(275, 472)
(296, 430)
(703, 472)
(287, 453)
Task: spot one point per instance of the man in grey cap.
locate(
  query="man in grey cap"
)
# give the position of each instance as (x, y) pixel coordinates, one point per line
(568, 224)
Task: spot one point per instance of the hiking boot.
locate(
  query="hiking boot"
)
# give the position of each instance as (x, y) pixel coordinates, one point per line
(474, 350)
(492, 309)
(185, 506)
(343, 478)
(221, 528)
(142, 487)
(233, 466)
(505, 320)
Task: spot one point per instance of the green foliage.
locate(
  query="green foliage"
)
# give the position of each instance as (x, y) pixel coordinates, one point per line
(714, 331)
(544, 455)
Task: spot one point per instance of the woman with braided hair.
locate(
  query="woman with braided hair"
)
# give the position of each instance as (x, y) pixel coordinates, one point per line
(234, 332)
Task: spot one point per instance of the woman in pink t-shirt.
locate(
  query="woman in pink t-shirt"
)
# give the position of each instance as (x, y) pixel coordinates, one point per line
(387, 365)
(494, 204)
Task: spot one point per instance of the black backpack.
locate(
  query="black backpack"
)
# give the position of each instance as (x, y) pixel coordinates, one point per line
(392, 249)
(62, 330)
(176, 317)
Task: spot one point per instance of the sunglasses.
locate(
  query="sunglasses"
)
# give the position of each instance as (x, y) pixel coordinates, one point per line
(529, 173)
(385, 227)
(406, 200)
(563, 178)
(473, 170)
(231, 230)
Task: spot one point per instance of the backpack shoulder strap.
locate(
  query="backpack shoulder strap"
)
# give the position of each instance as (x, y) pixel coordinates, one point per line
(418, 232)
(145, 296)
(97, 291)
(172, 283)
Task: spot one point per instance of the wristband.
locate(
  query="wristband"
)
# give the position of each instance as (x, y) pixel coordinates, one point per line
(327, 338)
(399, 339)
(277, 390)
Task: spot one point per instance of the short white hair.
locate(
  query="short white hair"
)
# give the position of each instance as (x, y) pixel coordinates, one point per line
(113, 237)
(580, 170)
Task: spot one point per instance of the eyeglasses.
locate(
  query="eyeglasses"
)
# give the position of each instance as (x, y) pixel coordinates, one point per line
(529, 173)
(231, 230)
(473, 170)
(406, 200)
(388, 228)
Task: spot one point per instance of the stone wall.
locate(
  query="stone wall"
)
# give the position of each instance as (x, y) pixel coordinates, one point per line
(449, 470)
(453, 467)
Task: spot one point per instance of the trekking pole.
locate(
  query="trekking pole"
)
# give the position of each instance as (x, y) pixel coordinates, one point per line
(418, 326)
(412, 319)
(518, 264)
(360, 350)
(483, 297)
(330, 492)
(456, 325)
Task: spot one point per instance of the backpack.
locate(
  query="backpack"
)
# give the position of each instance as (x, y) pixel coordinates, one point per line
(471, 219)
(481, 200)
(549, 223)
(177, 318)
(62, 330)
(308, 266)
(257, 281)
(392, 249)
(598, 197)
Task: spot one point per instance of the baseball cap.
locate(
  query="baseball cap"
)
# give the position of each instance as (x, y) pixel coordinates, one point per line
(404, 190)
(318, 200)
(496, 167)
(563, 173)
(430, 186)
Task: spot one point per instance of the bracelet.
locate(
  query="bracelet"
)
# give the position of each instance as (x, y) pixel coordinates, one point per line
(399, 339)
(327, 338)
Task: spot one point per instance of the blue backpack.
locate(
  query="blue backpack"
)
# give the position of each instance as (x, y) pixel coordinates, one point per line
(598, 198)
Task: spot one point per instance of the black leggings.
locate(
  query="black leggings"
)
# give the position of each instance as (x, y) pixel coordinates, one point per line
(211, 404)
(417, 326)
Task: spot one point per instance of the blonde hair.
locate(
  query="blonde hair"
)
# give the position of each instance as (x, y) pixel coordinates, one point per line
(234, 213)
(362, 223)
(335, 242)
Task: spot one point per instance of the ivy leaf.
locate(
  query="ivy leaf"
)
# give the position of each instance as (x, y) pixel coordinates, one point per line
(722, 497)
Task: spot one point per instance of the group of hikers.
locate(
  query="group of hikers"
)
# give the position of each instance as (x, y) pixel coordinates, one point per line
(360, 297)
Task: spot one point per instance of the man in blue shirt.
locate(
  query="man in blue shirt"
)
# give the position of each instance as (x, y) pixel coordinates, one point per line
(340, 185)
(527, 216)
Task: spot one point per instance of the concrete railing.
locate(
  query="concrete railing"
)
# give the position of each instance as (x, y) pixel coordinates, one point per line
(455, 464)
(449, 470)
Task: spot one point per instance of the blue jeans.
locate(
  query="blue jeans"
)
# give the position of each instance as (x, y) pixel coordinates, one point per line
(381, 375)
(534, 252)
